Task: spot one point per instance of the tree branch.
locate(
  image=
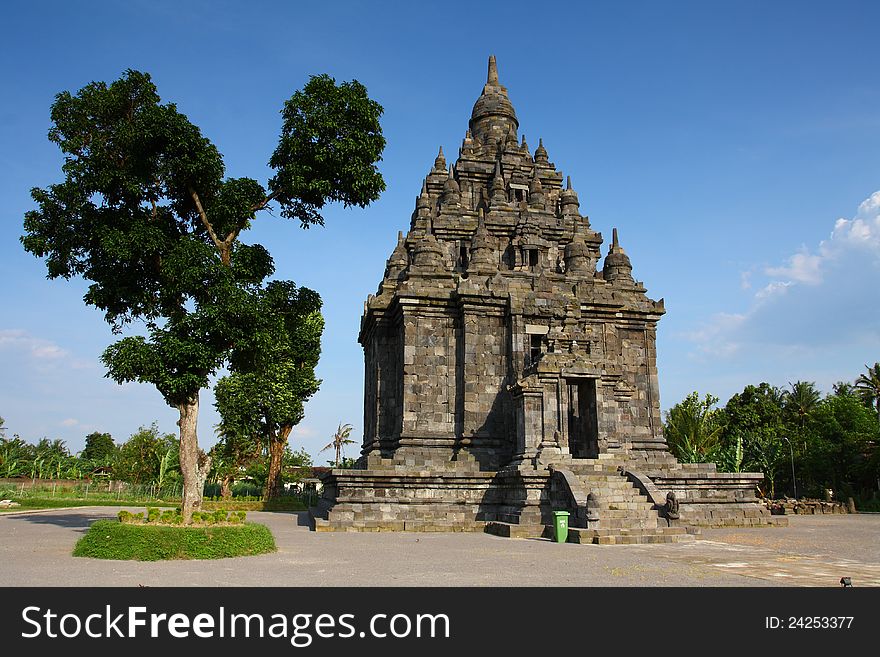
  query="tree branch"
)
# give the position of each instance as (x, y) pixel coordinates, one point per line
(207, 224)
(262, 204)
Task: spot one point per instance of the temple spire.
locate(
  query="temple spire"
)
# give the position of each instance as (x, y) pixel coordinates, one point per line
(493, 115)
(423, 202)
(492, 77)
(451, 197)
(617, 268)
(440, 161)
(541, 153)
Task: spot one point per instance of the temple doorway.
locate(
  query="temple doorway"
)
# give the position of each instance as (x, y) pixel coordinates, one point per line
(583, 420)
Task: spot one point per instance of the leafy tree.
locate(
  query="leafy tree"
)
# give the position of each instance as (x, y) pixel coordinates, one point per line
(868, 386)
(16, 457)
(139, 460)
(755, 408)
(51, 460)
(756, 418)
(272, 373)
(801, 400)
(340, 440)
(294, 466)
(231, 455)
(99, 447)
(842, 451)
(693, 430)
(146, 214)
(765, 452)
(731, 457)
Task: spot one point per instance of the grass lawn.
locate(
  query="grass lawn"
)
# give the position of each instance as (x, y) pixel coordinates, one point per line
(110, 539)
(27, 503)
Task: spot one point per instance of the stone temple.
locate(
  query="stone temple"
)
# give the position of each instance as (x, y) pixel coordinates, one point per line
(510, 369)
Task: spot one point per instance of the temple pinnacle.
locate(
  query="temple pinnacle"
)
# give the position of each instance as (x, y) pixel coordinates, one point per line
(614, 243)
(492, 78)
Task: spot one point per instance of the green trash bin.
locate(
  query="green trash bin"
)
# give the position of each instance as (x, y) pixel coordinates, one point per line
(560, 526)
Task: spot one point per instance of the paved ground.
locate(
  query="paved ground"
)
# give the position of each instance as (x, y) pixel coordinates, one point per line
(813, 551)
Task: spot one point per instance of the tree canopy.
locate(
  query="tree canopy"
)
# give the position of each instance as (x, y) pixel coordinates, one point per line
(830, 442)
(146, 214)
(99, 446)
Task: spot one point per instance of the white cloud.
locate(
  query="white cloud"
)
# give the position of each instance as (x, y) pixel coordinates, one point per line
(861, 234)
(45, 352)
(773, 288)
(802, 267)
(69, 422)
(712, 337)
(24, 342)
(818, 300)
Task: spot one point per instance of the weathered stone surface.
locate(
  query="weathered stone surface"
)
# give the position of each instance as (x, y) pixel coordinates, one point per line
(508, 375)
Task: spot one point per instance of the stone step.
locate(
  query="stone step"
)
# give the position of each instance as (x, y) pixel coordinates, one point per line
(634, 506)
(607, 498)
(331, 525)
(605, 536)
(617, 483)
(628, 523)
(626, 513)
(608, 486)
(638, 531)
(629, 537)
(597, 470)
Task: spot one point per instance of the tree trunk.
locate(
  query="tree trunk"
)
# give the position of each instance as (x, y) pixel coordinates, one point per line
(277, 443)
(226, 487)
(194, 463)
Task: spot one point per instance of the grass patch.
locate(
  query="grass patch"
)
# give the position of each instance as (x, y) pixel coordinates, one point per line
(27, 503)
(109, 539)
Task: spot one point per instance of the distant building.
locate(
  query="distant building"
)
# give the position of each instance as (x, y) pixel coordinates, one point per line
(506, 374)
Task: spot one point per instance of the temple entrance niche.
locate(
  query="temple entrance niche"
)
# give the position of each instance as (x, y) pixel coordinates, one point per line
(583, 419)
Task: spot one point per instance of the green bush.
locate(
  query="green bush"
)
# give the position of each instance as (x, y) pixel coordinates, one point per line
(113, 540)
(157, 516)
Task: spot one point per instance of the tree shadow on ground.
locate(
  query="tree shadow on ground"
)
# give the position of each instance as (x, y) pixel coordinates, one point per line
(79, 520)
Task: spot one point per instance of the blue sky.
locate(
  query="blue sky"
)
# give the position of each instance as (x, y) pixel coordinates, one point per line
(735, 145)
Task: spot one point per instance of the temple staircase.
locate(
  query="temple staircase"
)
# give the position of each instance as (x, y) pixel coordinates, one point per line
(618, 514)
(605, 507)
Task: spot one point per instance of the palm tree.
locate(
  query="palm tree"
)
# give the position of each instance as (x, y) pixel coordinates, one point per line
(868, 386)
(340, 440)
(801, 400)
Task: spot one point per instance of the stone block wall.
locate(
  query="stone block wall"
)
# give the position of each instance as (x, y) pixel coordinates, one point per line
(429, 373)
